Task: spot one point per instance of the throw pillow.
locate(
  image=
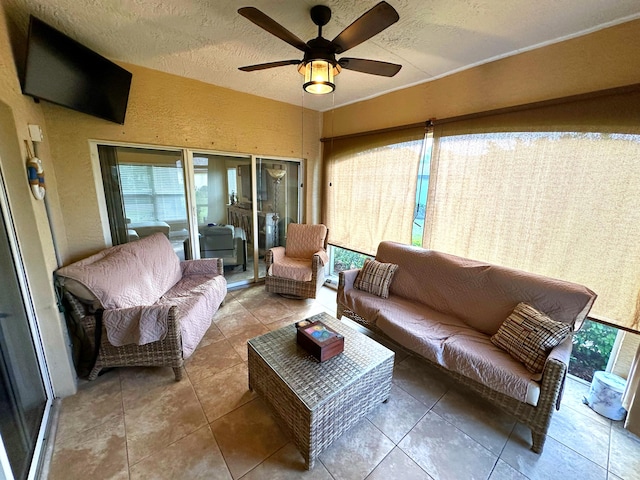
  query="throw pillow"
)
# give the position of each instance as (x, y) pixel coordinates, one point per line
(528, 335)
(375, 277)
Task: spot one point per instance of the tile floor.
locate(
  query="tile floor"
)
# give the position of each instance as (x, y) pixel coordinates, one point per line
(138, 423)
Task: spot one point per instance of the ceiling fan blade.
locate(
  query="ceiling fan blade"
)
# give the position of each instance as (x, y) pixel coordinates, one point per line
(373, 67)
(263, 66)
(271, 26)
(371, 23)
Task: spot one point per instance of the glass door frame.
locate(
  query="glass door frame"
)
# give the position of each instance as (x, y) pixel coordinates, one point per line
(27, 299)
(190, 194)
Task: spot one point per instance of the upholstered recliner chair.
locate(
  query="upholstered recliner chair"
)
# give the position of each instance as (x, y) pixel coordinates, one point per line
(222, 241)
(297, 270)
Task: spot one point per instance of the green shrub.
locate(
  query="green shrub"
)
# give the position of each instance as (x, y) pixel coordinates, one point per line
(592, 347)
(344, 259)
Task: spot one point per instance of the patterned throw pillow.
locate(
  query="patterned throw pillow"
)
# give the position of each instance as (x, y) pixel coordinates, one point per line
(528, 335)
(375, 277)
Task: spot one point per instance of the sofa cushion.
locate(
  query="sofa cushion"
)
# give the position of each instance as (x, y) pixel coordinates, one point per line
(452, 344)
(197, 297)
(528, 335)
(298, 269)
(375, 277)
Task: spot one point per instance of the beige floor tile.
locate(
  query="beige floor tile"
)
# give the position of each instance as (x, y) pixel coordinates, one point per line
(212, 336)
(483, 422)
(583, 434)
(157, 422)
(439, 447)
(625, 454)
(399, 415)
(287, 464)
(211, 359)
(247, 436)
(96, 454)
(556, 462)
(231, 307)
(96, 402)
(142, 384)
(234, 324)
(574, 391)
(420, 380)
(397, 465)
(269, 311)
(357, 452)
(503, 471)
(195, 456)
(224, 392)
(239, 340)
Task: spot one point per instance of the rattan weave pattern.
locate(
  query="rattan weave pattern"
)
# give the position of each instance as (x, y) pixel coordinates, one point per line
(165, 353)
(317, 402)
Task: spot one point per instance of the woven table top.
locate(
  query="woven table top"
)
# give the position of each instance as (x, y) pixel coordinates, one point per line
(311, 381)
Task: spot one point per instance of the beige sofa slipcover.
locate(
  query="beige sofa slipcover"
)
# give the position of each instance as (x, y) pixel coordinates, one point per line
(446, 308)
(147, 307)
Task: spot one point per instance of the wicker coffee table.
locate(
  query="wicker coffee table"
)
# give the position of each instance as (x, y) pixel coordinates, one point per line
(317, 402)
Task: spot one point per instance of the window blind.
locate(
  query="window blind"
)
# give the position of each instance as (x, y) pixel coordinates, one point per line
(369, 188)
(552, 190)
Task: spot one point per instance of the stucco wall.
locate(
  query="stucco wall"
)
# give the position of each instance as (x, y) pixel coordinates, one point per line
(30, 215)
(604, 59)
(174, 111)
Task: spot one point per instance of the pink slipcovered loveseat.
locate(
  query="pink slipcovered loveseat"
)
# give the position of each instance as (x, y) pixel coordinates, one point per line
(147, 307)
(446, 308)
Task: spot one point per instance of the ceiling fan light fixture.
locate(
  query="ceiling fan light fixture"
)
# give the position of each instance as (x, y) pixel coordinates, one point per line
(318, 76)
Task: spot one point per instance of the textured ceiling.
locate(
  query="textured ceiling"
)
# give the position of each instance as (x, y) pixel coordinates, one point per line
(208, 40)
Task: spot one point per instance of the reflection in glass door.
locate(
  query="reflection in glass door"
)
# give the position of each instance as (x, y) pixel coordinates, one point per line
(145, 194)
(23, 396)
(281, 204)
(223, 198)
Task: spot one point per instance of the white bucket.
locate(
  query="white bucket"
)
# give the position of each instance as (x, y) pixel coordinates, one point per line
(605, 395)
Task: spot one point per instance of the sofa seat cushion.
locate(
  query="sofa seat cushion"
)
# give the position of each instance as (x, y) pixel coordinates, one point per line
(196, 296)
(452, 344)
(293, 268)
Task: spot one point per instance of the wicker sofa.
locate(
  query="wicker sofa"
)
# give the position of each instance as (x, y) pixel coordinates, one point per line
(140, 305)
(446, 308)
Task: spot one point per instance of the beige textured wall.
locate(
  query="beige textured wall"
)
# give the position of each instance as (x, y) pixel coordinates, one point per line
(174, 111)
(604, 59)
(30, 215)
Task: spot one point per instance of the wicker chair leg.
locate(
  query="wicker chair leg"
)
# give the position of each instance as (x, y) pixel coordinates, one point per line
(178, 373)
(339, 312)
(538, 441)
(95, 371)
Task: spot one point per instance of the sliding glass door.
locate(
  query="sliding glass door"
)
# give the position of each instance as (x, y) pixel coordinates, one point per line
(24, 397)
(209, 204)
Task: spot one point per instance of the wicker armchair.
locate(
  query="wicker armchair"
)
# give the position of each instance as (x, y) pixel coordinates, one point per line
(298, 270)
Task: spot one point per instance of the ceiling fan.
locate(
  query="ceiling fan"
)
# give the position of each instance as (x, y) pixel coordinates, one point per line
(319, 64)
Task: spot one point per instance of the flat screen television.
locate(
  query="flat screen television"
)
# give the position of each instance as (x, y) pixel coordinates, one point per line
(62, 71)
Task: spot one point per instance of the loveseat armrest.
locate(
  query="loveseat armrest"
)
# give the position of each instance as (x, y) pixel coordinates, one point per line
(204, 266)
(554, 373)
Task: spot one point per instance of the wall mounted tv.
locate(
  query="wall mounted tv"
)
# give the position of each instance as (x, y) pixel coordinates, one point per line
(62, 71)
